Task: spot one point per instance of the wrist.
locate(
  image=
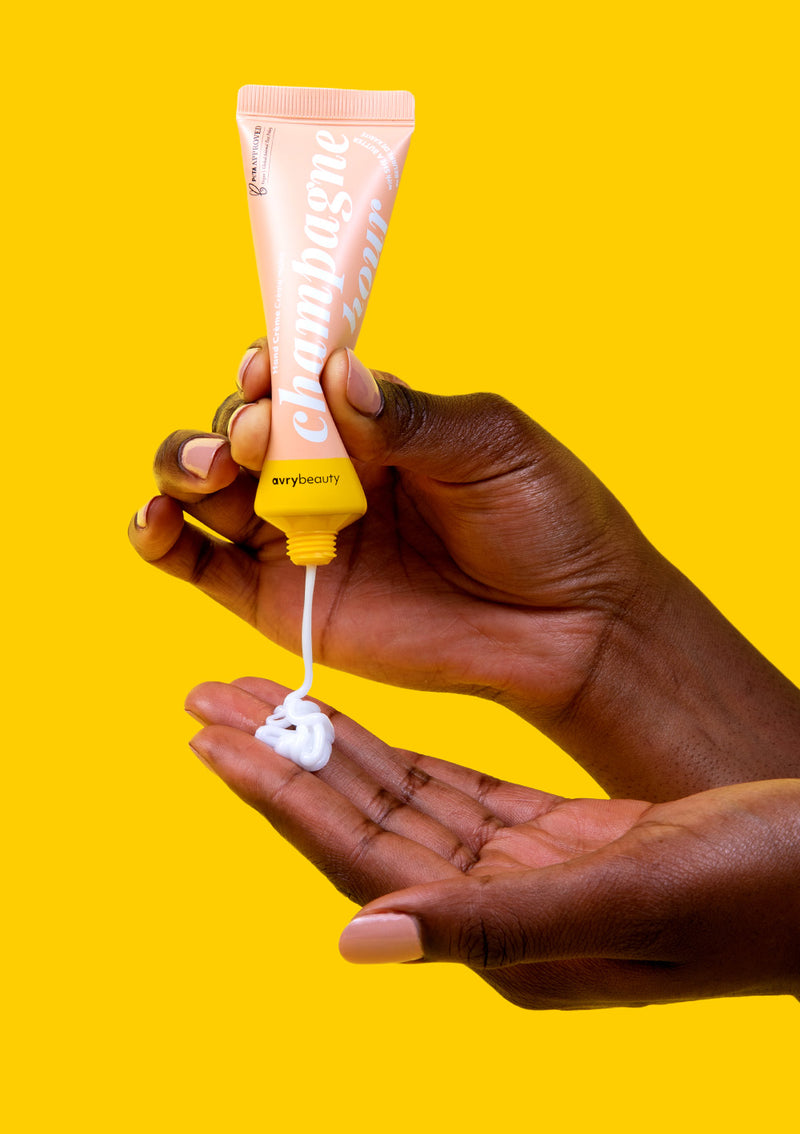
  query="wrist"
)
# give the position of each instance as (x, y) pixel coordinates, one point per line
(676, 700)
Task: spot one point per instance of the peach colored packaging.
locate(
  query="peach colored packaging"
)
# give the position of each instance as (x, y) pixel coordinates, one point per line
(322, 169)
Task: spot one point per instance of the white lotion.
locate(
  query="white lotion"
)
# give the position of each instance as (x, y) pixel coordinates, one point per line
(297, 729)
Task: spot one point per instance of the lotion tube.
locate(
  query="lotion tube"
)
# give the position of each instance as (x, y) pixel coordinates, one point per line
(322, 169)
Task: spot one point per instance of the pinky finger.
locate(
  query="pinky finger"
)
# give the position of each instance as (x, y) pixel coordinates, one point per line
(162, 536)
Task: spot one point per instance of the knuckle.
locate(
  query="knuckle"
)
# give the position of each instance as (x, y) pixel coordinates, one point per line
(383, 805)
(202, 563)
(462, 857)
(489, 934)
(414, 781)
(485, 424)
(484, 830)
(486, 945)
(364, 845)
(505, 427)
(405, 413)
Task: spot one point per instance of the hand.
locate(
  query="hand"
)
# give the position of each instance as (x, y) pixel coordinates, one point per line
(556, 903)
(490, 561)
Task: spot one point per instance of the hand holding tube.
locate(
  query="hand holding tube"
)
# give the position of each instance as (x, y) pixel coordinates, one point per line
(456, 578)
(490, 561)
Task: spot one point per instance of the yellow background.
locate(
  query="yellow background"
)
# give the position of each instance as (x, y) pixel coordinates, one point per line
(597, 218)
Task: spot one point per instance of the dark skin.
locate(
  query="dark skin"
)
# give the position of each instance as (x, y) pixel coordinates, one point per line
(556, 903)
(424, 558)
(525, 579)
(491, 561)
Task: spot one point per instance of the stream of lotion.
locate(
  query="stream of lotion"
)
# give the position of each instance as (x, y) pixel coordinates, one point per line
(297, 729)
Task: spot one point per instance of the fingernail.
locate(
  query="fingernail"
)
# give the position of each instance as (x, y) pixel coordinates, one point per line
(140, 519)
(363, 392)
(247, 358)
(381, 939)
(200, 755)
(195, 717)
(235, 416)
(197, 455)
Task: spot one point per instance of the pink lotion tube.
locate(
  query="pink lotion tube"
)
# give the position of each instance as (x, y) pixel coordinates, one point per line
(322, 168)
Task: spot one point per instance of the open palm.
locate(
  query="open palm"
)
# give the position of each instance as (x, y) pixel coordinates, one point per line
(554, 902)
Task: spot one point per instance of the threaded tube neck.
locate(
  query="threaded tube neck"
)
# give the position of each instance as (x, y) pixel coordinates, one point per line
(311, 549)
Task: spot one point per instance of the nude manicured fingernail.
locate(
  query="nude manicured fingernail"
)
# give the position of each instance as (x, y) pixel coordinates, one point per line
(197, 455)
(140, 519)
(239, 413)
(380, 939)
(247, 358)
(363, 392)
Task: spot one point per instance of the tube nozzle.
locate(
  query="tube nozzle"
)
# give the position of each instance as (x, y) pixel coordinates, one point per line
(311, 549)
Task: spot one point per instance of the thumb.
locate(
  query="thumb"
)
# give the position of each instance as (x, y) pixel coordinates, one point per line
(460, 438)
(586, 908)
